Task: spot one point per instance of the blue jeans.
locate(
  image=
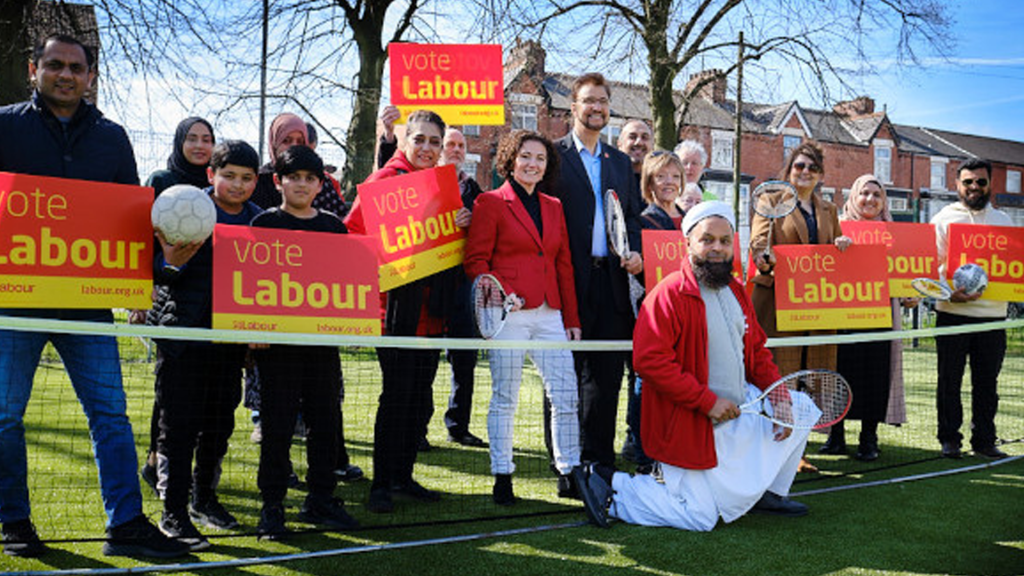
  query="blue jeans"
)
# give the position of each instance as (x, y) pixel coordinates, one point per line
(94, 367)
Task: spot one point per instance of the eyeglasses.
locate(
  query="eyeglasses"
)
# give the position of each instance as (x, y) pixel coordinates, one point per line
(801, 166)
(981, 182)
(657, 153)
(591, 101)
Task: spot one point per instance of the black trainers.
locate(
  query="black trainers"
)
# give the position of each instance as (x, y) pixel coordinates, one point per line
(138, 537)
(349, 473)
(502, 493)
(20, 539)
(271, 526)
(177, 525)
(567, 488)
(327, 511)
(595, 493)
(466, 439)
(416, 491)
(148, 474)
(211, 514)
(380, 501)
(772, 503)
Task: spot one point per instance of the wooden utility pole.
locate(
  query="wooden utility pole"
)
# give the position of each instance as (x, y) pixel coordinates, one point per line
(738, 140)
(263, 77)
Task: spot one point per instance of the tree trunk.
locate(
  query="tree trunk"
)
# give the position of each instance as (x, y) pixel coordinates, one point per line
(13, 44)
(663, 108)
(663, 72)
(361, 138)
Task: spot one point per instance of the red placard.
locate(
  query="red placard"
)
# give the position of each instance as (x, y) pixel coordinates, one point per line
(413, 218)
(819, 287)
(464, 83)
(74, 243)
(664, 249)
(273, 280)
(910, 251)
(997, 249)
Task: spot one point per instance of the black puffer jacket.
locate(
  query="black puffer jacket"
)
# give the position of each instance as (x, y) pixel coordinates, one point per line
(89, 147)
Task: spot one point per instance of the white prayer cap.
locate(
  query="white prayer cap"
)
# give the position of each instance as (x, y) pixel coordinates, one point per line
(706, 210)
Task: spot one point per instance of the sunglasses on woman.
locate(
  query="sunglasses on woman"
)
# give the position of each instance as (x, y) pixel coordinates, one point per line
(801, 166)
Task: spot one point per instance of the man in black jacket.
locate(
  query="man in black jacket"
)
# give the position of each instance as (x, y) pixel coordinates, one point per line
(589, 168)
(56, 133)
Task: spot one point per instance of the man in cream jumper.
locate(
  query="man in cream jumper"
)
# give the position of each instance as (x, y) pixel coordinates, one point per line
(701, 354)
(986, 349)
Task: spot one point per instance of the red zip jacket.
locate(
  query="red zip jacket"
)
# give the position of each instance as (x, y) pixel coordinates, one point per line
(670, 354)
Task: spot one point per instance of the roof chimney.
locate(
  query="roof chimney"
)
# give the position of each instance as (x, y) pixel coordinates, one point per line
(527, 55)
(714, 87)
(860, 106)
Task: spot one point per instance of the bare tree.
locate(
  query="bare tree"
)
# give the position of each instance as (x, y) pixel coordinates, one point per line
(207, 55)
(824, 42)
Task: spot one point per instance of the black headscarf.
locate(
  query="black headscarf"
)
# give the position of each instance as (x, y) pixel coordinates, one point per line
(187, 172)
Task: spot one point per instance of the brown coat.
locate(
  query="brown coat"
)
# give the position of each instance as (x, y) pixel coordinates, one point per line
(792, 230)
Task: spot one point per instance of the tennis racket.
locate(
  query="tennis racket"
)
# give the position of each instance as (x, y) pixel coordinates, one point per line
(773, 199)
(931, 288)
(615, 224)
(491, 305)
(828, 391)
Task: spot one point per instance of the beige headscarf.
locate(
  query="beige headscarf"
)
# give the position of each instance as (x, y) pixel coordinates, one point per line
(283, 125)
(850, 209)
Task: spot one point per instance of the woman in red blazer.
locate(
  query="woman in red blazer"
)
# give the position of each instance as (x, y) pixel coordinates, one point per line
(518, 234)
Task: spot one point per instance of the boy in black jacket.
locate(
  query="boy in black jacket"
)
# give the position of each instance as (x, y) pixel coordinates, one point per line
(299, 377)
(198, 384)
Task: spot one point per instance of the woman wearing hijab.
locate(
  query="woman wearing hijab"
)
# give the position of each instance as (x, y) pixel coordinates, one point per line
(193, 144)
(873, 369)
(287, 130)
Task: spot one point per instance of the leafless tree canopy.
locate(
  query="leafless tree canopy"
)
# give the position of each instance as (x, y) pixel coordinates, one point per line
(322, 55)
(825, 43)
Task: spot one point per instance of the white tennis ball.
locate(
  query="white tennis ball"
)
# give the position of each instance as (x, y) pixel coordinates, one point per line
(970, 278)
(184, 213)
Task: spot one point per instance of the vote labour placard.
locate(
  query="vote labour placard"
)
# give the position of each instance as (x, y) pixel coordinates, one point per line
(413, 217)
(464, 83)
(74, 243)
(909, 251)
(819, 287)
(664, 249)
(997, 249)
(273, 280)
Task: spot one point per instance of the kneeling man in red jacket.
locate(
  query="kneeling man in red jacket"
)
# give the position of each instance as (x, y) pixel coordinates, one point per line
(701, 354)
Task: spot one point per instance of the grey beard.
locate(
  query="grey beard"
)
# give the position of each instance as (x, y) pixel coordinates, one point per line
(714, 275)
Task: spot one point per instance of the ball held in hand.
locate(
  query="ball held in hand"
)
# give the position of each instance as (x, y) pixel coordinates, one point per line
(970, 278)
(184, 213)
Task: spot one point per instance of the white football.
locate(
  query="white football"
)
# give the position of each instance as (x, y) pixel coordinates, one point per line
(184, 213)
(971, 278)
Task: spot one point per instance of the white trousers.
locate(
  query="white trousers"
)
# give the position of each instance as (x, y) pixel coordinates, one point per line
(750, 462)
(559, 375)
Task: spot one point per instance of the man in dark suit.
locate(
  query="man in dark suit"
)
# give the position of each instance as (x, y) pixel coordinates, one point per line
(589, 168)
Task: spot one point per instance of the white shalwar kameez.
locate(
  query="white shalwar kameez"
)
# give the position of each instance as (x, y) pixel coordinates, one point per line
(750, 460)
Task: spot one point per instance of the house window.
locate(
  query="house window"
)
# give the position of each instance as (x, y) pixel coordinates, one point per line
(883, 164)
(469, 165)
(524, 117)
(610, 135)
(721, 150)
(1013, 181)
(938, 179)
(789, 143)
(471, 130)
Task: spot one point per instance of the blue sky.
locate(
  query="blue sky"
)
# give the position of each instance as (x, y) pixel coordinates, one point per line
(980, 90)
